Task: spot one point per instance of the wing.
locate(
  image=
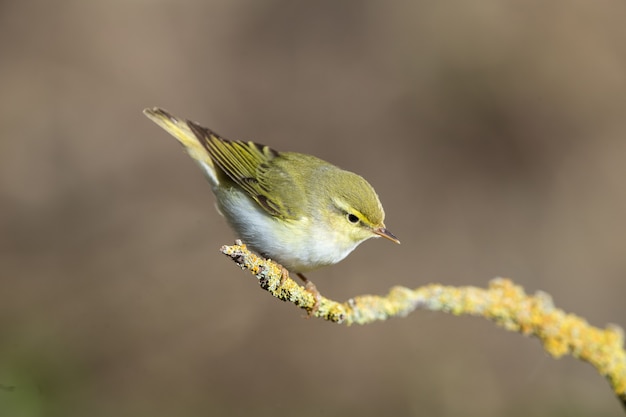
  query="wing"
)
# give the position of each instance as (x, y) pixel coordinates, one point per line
(257, 169)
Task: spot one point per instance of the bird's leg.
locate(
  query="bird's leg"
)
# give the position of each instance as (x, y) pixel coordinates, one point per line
(284, 273)
(312, 289)
(308, 285)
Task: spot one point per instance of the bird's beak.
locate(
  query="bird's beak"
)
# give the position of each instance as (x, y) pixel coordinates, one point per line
(381, 231)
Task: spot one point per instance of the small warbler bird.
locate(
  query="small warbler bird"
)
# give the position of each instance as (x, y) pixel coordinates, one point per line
(296, 209)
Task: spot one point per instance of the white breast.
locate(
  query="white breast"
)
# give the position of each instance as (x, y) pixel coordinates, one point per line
(299, 245)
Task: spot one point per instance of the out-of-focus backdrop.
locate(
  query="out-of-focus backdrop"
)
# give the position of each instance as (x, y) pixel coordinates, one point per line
(494, 132)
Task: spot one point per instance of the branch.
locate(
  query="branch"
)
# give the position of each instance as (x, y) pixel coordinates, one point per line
(502, 302)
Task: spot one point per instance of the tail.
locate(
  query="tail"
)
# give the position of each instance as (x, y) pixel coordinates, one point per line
(182, 131)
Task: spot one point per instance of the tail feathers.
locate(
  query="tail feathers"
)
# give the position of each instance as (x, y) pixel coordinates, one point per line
(182, 131)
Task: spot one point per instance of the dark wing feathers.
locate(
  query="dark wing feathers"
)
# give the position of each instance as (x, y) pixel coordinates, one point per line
(247, 164)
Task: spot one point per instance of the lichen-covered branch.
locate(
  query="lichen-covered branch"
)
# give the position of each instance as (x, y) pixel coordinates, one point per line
(502, 302)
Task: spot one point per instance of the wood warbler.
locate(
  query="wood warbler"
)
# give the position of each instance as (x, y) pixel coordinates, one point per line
(296, 209)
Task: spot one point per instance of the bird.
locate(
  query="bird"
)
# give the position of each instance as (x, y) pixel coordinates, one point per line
(295, 209)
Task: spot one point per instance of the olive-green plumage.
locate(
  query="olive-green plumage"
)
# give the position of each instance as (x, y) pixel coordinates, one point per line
(295, 208)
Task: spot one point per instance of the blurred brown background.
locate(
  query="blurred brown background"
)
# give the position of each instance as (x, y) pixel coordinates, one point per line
(494, 132)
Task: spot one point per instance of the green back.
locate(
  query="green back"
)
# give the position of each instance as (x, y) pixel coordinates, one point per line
(271, 178)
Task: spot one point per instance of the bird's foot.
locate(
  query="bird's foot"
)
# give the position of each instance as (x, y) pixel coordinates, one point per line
(308, 286)
(312, 289)
(284, 273)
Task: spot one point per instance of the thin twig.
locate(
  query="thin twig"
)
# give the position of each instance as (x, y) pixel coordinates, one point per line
(502, 302)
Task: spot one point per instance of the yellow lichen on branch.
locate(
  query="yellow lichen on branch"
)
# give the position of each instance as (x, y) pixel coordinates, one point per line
(502, 302)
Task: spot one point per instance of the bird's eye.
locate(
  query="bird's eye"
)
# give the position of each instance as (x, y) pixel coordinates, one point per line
(352, 218)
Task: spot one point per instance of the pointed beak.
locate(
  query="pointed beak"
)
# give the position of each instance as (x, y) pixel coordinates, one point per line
(381, 231)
